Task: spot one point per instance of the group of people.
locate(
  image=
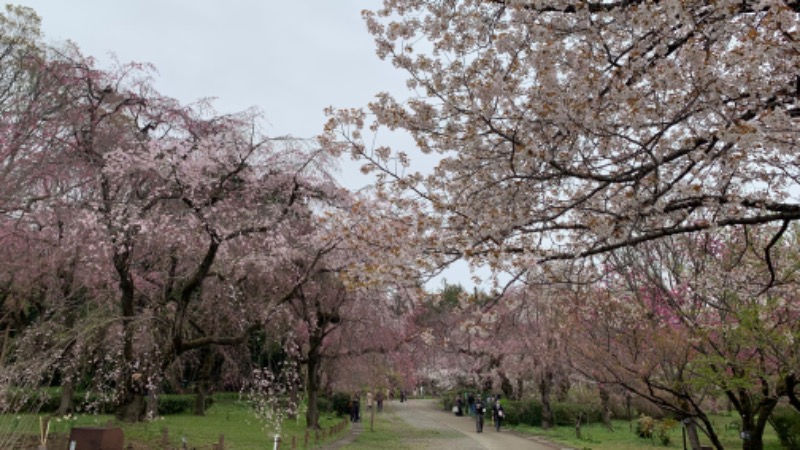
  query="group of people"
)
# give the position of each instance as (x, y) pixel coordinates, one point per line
(476, 407)
(354, 406)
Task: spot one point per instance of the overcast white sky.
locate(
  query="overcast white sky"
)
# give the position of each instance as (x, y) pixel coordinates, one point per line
(288, 58)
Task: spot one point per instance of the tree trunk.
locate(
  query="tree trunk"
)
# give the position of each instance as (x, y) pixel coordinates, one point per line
(313, 381)
(691, 433)
(628, 405)
(752, 433)
(132, 405)
(791, 385)
(754, 418)
(545, 389)
(202, 385)
(505, 386)
(132, 409)
(67, 394)
(200, 397)
(372, 416)
(6, 343)
(605, 400)
(563, 385)
(151, 405)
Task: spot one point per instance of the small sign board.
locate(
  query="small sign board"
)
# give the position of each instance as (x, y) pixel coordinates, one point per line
(96, 438)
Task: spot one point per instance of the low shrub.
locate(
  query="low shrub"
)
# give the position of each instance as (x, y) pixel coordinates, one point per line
(447, 403)
(340, 402)
(645, 427)
(32, 400)
(47, 401)
(324, 405)
(522, 412)
(786, 422)
(663, 428)
(169, 404)
(567, 414)
(650, 428)
(529, 412)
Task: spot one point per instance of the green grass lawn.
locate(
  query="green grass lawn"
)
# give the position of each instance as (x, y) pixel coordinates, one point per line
(597, 437)
(227, 416)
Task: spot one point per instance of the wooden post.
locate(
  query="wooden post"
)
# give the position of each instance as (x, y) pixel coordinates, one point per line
(165, 438)
(294, 442)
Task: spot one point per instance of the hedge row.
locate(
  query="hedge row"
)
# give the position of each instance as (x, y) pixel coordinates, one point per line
(47, 402)
(529, 412)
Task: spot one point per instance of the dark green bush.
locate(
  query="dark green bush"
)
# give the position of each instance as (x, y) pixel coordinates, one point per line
(46, 401)
(169, 404)
(526, 412)
(33, 401)
(340, 402)
(324, 405)
(786, 422)
(529, 412)
(567, 414)
(513, 412)
(447, 403)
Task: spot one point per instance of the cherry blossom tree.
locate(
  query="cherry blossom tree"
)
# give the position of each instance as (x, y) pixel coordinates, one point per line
(191, 231)
(690, 320)
(174, 204)
(343, 315)
(540, 336)
(521, 338)
(571, 129)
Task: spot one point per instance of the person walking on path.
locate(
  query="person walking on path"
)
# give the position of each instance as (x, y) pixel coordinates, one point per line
(471, 404)
(497, 413)
(479, 412)
(355, 407)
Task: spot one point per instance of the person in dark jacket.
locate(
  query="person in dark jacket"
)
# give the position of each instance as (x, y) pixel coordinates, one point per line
(459, 406)
(355, 410)
(480, 410)
(497, 413)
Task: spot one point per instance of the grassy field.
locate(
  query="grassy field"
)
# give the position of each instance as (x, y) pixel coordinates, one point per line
(227, 416)
(597, 437)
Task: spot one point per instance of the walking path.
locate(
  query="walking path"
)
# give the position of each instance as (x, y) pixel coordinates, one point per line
(355, 430)
(451, 432)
